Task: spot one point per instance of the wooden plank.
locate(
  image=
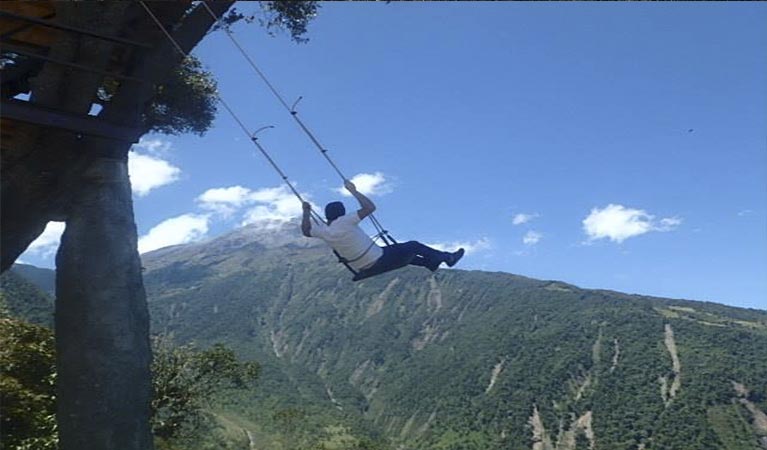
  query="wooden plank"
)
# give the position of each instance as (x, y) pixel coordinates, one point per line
(12, 48)
(69, 28)
(36, 8)
(28, 32)
(90, 125)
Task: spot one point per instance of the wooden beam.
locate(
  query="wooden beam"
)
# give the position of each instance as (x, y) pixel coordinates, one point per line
(12, 48)
(71, 29)
(90, 125)
(24, 27)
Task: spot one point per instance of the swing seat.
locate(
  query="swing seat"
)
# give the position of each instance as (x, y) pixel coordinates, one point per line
(382, 267)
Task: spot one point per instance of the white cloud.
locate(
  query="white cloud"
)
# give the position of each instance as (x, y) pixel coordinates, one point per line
(274, 207)
(745, 212)
(235, 195)
(521, 218)
(269, 207)
(369, 184)
(148, 173)
(46, 244)
(174, 231)
(469, 246)
(532, 237)
(668, 224)
(153, 146)
(618, 223)
(225, 201)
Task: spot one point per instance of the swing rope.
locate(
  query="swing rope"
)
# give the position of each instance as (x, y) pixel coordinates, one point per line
(252, 137)
(380, 230)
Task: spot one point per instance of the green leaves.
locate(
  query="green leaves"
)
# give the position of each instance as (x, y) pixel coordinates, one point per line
(326, 344)
(184, 104)
(185, 380)
(187, 102)
(292, 16)
(27, 386)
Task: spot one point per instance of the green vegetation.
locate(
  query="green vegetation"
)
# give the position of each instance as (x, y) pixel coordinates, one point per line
(22, 298)
(186, 103)
(731, 424)
(27, 383)
(410, 360)
(456, 361)
(186, 382)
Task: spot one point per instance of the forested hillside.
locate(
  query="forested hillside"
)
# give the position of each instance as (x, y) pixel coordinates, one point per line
(458, 359)
(468, 359)
(25, 297)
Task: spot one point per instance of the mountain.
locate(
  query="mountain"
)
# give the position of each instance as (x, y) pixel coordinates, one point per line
(458, 359)
(468, 359)
(23, 291)
(44, 279)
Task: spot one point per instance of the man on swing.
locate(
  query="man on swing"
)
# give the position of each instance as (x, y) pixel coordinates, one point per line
(359, 251)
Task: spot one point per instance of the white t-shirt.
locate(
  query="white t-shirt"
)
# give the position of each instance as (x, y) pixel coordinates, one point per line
(349, 240)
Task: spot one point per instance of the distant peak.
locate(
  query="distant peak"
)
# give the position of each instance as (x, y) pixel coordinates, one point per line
(270, 234)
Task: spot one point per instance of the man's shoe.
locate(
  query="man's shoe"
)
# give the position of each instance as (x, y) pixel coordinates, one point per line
(434, 265)
(454, 257)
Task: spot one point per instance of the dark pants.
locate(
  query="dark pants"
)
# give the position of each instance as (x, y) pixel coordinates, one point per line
(423, 255)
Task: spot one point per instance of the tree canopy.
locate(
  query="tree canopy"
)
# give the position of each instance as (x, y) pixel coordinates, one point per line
(187, 101)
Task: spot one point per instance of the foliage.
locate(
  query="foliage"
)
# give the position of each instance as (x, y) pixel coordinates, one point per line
(406, 359)
(27, 386)
(43, 279)
(292, 16)
(391, 359)
(26, 300)
(185, 380)
(185, 103)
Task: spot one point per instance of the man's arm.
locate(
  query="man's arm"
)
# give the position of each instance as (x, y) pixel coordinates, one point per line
(367, 205)
(306, 223)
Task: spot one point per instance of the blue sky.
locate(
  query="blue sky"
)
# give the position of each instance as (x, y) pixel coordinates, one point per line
(619, 146)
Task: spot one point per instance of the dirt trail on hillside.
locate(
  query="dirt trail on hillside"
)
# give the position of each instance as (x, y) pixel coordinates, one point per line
(333, 399)
(434, 299)
(408, 425)
(429, 332)
(585, 424)
(582, 424)
(428, 423)
(277, 345)
(541, 440)
(581, 386)
(759, 421)
(669, 392)
(616, 355)
(566, 439)
(251, 440)
(494, 375)
(379, 302)
(596, 349)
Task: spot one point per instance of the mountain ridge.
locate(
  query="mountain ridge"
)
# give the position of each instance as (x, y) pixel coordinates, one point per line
(551, 355)
(466, 359)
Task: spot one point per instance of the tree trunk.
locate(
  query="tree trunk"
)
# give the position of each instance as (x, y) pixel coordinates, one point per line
(102, 320)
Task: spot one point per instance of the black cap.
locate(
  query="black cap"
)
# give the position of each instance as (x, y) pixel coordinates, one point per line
(334, 210)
